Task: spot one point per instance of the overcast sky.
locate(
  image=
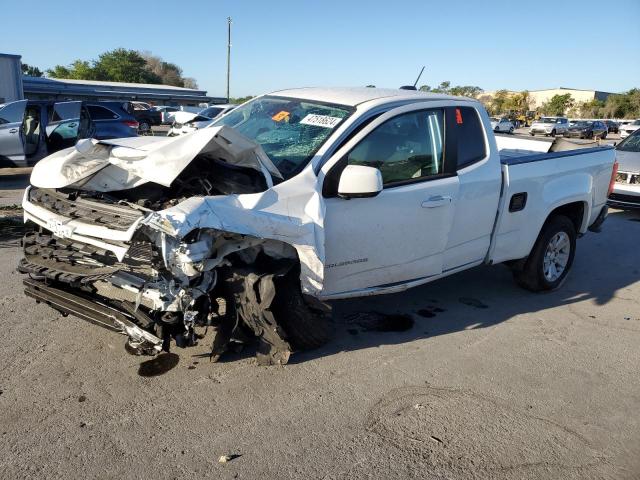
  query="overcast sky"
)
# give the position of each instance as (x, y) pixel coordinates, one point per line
(278, 44)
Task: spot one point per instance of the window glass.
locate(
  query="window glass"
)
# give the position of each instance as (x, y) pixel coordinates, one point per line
(211, 112)
(100, 113)
(406, 147)
(631, 143)
(470, 135)
(290, 130)
(12, 112)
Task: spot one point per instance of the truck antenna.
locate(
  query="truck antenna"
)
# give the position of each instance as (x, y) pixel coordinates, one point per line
(419, 75)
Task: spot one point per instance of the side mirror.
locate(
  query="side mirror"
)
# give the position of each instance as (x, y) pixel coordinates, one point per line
(359, 181)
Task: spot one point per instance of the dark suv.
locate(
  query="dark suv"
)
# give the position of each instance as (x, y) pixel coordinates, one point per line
(612, 127)
(144, 114)
(111, 120)
(587, 129)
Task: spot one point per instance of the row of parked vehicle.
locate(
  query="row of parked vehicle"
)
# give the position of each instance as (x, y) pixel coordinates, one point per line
(552, 126)
(32, 129)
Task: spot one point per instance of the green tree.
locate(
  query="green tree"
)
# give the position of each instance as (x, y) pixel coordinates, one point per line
(499, 102)
(557, 105)
(461, 90)
(623, 105)
(31, 70)
(121, 65)
(591, 109)
(240, 100)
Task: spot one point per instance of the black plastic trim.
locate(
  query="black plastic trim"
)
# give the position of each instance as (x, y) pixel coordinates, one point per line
(551, 155)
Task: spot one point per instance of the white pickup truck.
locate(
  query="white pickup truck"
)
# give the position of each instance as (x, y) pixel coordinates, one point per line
(293, 199)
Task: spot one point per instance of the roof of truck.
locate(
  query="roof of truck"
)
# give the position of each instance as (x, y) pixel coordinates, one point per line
(353, 96)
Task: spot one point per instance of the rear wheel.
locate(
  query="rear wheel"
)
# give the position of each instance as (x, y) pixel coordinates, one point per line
(144, 128)
(551, 258)
(553, 132)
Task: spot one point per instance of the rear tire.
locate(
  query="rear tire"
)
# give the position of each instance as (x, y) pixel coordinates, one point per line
(553, 133)
(551, 258)
(144, 128)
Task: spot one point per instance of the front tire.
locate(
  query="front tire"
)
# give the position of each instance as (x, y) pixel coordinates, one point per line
(306, 327)
(553, 133)
(551, 258)
(511, 130)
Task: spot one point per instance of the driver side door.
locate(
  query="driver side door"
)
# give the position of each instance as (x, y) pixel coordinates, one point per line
(399, 235)
(68, 121)
(11, 135)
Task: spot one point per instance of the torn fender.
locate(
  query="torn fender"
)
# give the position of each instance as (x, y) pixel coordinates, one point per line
(290, 212)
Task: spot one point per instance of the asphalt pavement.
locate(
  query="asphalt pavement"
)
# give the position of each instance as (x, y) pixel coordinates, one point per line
(468, 377)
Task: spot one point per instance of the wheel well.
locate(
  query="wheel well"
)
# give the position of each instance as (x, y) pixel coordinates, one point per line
(573, 211)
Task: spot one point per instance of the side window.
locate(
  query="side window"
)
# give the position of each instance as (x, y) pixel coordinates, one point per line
(97, 112)
(470, 136)
(404, 148)
(12, 113)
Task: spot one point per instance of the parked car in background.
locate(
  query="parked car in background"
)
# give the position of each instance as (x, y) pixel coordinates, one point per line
(31, 130)
(587, 129)
(144, 114)
(626, 190)
(111, 120)
(502, 125)
(185, 122)
(612, 127)
(166, 113)
(549, 126)
(629, 128)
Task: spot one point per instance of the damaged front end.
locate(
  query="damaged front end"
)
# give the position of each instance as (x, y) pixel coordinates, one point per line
(156, 255)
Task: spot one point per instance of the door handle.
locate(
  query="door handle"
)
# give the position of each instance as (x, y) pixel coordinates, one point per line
(436, 201)
(13, 130)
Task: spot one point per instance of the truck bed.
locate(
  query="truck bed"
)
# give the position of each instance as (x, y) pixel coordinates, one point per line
(546, 180)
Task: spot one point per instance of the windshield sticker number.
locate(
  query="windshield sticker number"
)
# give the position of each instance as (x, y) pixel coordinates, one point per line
(280, 116)
(320, 120)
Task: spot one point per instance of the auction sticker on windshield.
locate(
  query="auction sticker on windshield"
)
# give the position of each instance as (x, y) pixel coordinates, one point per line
(320, 120)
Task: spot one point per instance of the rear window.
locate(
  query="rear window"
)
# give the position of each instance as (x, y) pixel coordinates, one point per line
(100, 113)
(470, 134)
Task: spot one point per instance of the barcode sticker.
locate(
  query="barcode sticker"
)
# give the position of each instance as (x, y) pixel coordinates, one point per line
(320, 120)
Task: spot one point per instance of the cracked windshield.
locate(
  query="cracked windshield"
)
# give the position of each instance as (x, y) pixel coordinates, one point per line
(289, 130)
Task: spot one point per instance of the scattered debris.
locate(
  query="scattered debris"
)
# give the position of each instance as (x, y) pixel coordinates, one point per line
(82, 398)
(228, 458)
(435, 439)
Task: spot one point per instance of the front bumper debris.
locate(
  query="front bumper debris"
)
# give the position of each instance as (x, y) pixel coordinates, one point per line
(140, 342)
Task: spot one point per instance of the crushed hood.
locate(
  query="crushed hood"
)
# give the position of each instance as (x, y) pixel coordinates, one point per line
(111, 165)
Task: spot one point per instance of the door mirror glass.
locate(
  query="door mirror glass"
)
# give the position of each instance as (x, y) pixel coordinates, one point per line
(359, 181)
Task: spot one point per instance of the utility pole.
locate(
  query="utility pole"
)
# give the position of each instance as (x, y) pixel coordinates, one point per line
(228, 55)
